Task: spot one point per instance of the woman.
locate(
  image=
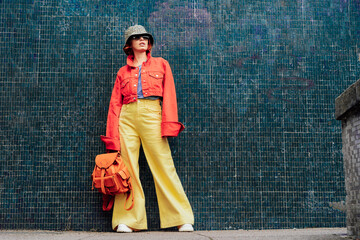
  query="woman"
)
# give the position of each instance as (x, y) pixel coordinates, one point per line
(143, 110)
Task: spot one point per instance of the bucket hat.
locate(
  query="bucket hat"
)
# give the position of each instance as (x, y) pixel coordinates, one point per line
(137, 30)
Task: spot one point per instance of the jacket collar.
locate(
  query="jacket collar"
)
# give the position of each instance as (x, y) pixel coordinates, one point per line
(130, 60)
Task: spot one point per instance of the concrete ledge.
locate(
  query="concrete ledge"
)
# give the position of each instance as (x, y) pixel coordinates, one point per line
(279, 234)
(348, 101)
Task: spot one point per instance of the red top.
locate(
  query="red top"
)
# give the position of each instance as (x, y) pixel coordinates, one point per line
(156, 80)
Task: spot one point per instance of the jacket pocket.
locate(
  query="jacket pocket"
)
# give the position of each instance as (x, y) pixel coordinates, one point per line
(156, 80)
(124, 83)
(125, 87)
(157, 75)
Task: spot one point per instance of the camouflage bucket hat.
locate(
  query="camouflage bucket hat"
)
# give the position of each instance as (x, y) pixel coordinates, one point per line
(137, 30)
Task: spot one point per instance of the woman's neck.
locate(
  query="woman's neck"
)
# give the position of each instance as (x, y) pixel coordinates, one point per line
(139, 58)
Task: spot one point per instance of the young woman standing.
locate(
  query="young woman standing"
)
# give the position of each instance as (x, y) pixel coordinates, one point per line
(143, 111)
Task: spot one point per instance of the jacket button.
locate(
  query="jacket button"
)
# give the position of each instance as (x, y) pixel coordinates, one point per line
(134, 85)
(157, 75)
(135, 75)
(134, 98)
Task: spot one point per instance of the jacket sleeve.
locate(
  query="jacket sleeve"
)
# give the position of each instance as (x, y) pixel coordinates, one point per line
(170, 127)
(112, 138)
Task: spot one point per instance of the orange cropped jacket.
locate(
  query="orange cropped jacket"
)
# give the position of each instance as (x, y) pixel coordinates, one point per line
(156, 80)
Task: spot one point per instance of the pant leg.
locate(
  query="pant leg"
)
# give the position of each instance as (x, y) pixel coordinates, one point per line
(173, 204)
(130, 145)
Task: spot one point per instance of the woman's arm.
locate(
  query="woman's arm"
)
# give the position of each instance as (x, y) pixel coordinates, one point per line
(170, 125)
(112, 138)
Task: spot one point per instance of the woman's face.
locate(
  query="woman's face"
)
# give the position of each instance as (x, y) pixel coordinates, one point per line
(140, 44)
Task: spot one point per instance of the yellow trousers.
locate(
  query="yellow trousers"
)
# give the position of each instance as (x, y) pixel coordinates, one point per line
(140, 123)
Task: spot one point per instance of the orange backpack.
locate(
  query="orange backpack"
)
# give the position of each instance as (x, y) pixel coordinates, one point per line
(111, 177)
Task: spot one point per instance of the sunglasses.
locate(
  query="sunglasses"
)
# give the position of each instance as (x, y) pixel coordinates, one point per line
(137, 37)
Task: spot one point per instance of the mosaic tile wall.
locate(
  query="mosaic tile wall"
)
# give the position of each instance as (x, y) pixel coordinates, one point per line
(256, 83)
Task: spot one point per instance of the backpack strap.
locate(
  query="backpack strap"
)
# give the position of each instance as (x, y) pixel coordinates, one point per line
(103, 181)
(108, 202)
(132, 200)
(131, 190)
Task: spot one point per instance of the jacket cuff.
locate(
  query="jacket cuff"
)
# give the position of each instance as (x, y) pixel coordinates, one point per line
(111, 143)
(171, 129)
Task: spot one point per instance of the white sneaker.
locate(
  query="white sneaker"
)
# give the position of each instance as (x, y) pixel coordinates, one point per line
(186, 228)
(122, 228)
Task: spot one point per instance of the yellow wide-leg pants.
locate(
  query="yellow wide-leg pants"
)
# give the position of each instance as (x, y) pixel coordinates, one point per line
(140, 123)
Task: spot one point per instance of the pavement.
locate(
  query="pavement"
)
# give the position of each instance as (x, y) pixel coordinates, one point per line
(280, 234)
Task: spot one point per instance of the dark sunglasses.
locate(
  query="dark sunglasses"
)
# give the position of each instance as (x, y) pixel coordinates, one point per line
(137, 37)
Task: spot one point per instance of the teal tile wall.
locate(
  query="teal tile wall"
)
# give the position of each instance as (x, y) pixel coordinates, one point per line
(256, 83)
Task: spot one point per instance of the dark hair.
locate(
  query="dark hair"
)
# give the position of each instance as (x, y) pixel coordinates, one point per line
(129, 51)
